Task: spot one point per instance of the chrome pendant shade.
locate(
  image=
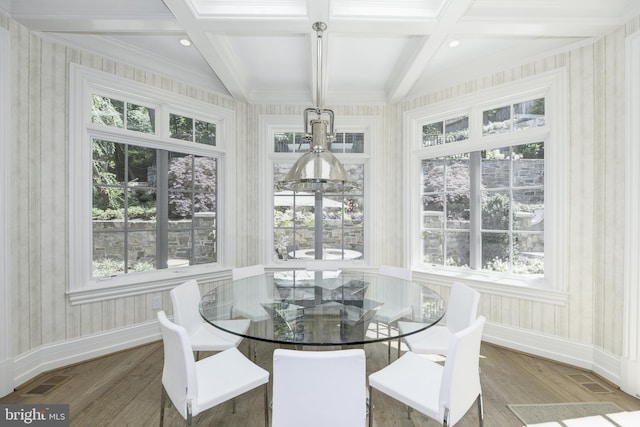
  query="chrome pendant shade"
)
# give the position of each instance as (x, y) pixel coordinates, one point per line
(318, 165)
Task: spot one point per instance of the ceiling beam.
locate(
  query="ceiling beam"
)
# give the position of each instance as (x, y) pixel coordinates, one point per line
(407, 72)
(214, 49)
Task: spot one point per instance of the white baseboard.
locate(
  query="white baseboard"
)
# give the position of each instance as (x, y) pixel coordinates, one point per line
(56, 355)
(555, 348)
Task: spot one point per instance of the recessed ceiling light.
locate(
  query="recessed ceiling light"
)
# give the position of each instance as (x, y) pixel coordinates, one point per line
(185, 42)
(454, 43)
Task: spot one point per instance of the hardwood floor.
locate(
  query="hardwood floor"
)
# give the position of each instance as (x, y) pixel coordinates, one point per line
(123, 389)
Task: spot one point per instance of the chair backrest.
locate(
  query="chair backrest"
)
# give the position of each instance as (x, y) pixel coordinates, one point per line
(462, 309)
(323, 265)
(179, 371)
(399, 272)
(185, 299)
(461, 377)
(250, 271)
(319, 388)
(396, 298)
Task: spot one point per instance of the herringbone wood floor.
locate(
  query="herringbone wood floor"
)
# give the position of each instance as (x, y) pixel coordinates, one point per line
(123, 389)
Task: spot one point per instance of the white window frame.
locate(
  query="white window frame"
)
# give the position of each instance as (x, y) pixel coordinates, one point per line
(269, 125)
(554, 134)
(84, 82)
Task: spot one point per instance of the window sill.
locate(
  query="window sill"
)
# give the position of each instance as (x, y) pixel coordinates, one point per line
(510, 286)
(143, 283)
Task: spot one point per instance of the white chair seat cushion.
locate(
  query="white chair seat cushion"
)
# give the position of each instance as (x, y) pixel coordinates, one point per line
(434, 340)
(626, 419)
(231, 375)
(593, 421)
(412, 380)
(208, 338)
(549, 424)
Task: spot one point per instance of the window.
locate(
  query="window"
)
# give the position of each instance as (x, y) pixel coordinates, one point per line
(483, 199)
(511, 209)
(148, 185)
(342, 217)
(294, 212)
(445, 131)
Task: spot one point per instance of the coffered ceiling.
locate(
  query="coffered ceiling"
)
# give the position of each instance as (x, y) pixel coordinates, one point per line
(375, 51)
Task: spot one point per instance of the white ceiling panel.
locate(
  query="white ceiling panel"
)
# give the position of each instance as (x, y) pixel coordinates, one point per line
(362, 64)
(386, 9)
(248, 8)
(274, 62)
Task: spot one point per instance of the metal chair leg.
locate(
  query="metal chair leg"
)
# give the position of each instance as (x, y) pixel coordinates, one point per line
(163, 400)
(266, 406)
(189, 416)
(480, 411)
(389, 341)
(370, 406)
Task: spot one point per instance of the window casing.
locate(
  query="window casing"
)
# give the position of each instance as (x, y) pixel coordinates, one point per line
(293, 213)
(481, 208)
(147, 193)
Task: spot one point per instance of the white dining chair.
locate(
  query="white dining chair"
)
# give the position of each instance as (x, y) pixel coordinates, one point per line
(185, 299)
(626, 419)
(248, 271)
(397, 301)
(247, 296)
(462, 311)
(323, 265)
(443, 393)
(319, 388)
(195, 386)
(590, 421)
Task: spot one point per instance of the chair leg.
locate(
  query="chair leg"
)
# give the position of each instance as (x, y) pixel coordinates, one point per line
(399, 344)
(370, 406)
(233, 402)
(266, 406)
(163, 399)
(389, 341)
(189, 417)
(445, 421)
(480, 411)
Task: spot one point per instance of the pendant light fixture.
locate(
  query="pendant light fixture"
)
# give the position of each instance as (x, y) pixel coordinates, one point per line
(318, 165)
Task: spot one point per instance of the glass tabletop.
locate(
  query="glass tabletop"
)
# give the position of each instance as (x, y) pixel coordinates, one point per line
(321, 308)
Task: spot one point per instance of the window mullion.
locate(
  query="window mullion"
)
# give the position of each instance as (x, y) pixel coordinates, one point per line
(162, 209)
(125, 178)
(475, 207)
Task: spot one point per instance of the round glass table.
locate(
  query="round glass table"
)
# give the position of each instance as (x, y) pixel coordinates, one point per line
(321, 308)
